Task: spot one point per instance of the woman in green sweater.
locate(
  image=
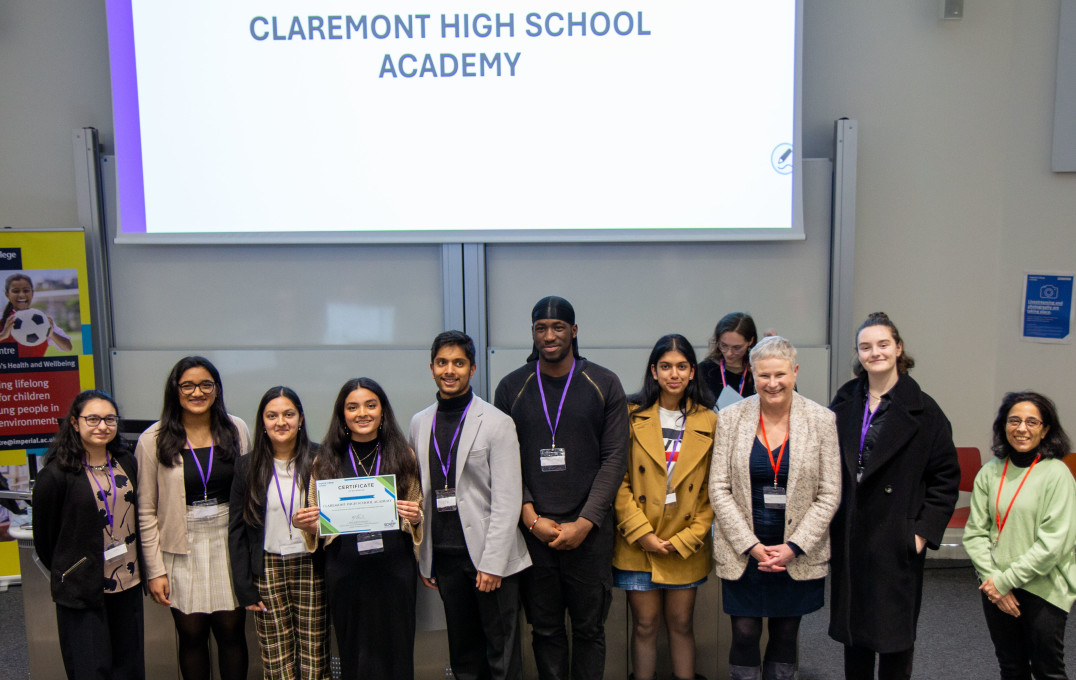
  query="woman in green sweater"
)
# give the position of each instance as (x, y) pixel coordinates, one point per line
(1020, 537)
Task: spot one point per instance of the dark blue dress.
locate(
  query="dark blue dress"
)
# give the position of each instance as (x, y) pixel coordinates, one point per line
(759, 593)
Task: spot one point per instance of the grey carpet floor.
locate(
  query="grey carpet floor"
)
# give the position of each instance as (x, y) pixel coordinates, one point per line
(952, 644)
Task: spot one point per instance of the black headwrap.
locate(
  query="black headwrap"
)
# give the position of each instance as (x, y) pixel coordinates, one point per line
(553, 307)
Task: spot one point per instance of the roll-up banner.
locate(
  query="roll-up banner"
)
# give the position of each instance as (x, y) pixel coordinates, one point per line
(46, 354)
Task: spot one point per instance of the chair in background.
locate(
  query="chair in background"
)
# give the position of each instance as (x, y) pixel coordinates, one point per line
(1070, 460)
(970, 464)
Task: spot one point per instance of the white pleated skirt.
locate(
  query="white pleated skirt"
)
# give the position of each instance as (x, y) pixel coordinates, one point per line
(201, 581)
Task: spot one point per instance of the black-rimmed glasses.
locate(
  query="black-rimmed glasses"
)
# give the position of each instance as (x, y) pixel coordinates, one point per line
(95, 420)
(206, 387)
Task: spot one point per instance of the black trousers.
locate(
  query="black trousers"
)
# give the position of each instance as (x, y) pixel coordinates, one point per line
(859, 664)
(1032, 644)
(483, 628)
(106, 642)
(581, 582)
(372, 606)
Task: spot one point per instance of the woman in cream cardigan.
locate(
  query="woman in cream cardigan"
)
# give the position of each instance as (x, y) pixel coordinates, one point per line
(775, 483)
(185, 468)
(662, 550)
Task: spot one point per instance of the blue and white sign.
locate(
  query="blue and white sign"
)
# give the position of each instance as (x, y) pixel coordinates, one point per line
(1047, 313)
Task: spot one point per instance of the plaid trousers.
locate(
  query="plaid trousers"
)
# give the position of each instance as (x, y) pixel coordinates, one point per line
(294, 632)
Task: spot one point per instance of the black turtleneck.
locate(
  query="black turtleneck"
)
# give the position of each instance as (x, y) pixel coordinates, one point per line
(445, 526)
(366, 455)
(1024, 459)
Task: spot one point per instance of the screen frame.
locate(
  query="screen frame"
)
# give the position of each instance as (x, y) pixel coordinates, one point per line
(131, 203)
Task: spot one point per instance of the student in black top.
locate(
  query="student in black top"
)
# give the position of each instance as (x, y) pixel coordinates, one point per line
(86, 534)
(571, 419)
(900, 479)
(370, 578)
(727, 368)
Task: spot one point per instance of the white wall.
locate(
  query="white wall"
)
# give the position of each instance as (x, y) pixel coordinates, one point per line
(955, 196)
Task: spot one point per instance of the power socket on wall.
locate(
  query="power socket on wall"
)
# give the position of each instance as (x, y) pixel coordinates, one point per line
(952, 9)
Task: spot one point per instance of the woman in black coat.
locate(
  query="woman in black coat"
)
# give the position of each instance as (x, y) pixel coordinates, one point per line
(899, 478)
(86, 535)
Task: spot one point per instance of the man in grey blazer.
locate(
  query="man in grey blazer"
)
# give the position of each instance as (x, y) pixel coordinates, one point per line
(472, 491)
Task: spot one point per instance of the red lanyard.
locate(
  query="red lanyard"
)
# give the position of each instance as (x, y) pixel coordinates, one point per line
(765, 440)
(998, 519)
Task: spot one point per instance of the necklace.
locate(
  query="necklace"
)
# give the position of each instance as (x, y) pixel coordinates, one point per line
(103, 466)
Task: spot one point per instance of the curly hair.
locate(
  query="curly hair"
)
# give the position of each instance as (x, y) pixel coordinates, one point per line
(1055, 443)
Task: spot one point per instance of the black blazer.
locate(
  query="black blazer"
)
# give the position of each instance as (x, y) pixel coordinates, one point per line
(246, 542)
(67, 533)
(909, 487)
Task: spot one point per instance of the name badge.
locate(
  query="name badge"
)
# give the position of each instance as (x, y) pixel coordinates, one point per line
(670, 498)
(445, 499)
(115, 552)
(204, 509)
(553, 460)
(293, 547)
(774, 497)
(370, 543)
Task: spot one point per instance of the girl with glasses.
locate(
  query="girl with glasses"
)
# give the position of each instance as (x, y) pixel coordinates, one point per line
(726, 372)
(86, 534)
(185, 466)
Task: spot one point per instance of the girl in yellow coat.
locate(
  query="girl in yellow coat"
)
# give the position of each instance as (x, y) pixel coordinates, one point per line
(662, 551)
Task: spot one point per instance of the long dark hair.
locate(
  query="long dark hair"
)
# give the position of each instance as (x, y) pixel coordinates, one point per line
(1055, 443)
(7, 289)
(736, 322)
(396, 456)
(66, 447)
(172, 437)
(695, 395)
(261, 456)
(905, 362)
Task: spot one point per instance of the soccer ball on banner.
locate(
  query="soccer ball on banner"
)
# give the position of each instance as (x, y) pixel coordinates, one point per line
(31, 327)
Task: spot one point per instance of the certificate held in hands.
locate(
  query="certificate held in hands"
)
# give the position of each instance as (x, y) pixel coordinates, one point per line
(357, 505)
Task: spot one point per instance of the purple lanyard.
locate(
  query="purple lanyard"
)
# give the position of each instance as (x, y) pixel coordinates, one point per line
(110, 513)
(545, 408)
(291, 503)
(743, 378)
(203, 476)
(447, 462)
(868, 416)
(377, 464)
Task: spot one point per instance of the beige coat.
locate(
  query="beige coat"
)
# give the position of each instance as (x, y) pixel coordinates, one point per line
(640, 502)
(814, 486)
(162, 500)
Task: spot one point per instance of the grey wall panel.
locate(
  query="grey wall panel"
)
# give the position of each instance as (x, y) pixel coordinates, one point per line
(275, 296)
(628, 295)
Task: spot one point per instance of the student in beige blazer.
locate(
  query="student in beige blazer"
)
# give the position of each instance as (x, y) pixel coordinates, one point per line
(662, 551)
(774, 485)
